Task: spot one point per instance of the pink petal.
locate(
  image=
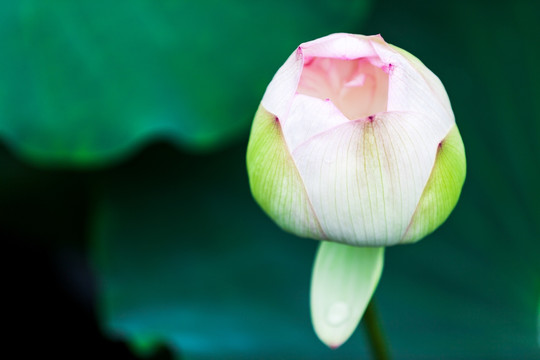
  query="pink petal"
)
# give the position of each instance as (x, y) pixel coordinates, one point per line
(279, 93)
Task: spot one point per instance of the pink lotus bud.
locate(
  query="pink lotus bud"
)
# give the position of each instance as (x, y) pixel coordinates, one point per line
(355, 142)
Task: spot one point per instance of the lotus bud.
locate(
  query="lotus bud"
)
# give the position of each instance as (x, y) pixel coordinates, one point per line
(355, 144)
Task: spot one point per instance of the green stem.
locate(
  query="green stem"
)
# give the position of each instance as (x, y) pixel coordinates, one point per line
(375, 334)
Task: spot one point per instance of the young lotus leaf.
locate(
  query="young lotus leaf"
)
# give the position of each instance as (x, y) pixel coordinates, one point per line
(344, 279)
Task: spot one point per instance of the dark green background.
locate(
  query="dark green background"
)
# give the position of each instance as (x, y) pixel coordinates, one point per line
(125, 207)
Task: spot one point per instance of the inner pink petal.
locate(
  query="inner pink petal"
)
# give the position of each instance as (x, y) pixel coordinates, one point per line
(357, 87)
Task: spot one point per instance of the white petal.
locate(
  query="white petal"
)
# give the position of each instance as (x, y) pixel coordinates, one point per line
(343, 281)
(431, 79)
(280, 92)
(309, 116)
(413, 87)
(365, 179)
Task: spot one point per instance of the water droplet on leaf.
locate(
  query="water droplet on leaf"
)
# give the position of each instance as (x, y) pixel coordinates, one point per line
(338, 313)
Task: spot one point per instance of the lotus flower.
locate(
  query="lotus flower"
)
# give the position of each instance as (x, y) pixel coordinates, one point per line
(354, 144)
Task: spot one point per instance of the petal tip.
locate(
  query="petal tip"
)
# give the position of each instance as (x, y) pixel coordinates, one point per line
(334, 346)
(332, 337)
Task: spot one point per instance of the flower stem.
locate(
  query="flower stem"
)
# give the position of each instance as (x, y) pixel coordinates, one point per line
(375, 334)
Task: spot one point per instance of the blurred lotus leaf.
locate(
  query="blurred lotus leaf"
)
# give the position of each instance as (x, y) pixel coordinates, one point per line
(182, 254)
(83, 82)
